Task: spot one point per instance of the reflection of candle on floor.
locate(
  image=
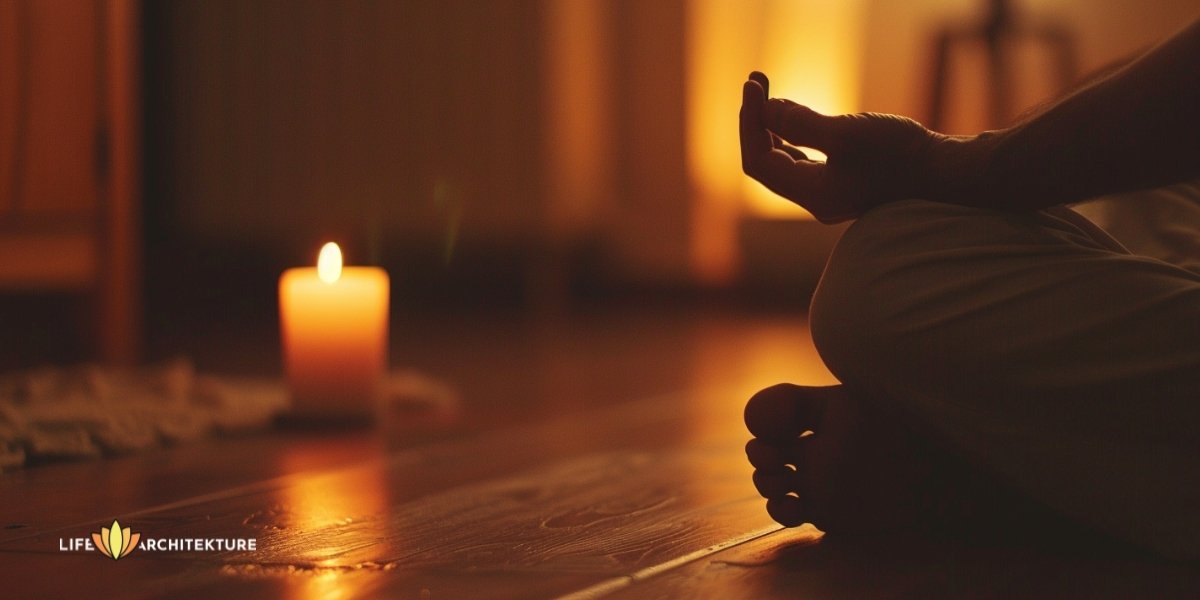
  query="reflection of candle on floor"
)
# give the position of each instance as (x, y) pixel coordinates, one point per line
(334, 322)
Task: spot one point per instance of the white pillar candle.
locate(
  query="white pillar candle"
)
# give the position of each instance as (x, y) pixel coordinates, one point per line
(334, 322)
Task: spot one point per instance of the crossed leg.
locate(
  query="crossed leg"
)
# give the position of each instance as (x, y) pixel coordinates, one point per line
(1032, 346)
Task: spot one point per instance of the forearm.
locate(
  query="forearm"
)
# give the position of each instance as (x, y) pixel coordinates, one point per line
(1138, 127)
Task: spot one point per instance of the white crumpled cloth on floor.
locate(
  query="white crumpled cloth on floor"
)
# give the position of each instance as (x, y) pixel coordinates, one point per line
(82, 411)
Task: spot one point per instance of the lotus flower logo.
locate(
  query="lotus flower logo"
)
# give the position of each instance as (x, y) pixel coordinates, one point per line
(115, 542)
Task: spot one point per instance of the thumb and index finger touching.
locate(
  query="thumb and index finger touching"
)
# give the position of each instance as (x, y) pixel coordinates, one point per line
(755, 138)
(795, 123)
(782, 169)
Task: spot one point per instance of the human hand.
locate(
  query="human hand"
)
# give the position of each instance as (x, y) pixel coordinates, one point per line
(872, 158)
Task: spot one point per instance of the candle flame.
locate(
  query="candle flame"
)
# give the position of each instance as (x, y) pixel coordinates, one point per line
(329, 263)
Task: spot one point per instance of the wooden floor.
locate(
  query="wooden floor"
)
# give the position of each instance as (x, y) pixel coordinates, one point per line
(594, 457)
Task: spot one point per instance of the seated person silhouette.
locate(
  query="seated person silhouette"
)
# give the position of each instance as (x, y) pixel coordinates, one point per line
(995, 348)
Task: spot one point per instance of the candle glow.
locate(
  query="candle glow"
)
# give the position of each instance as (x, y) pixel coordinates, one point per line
(334, 323)
(329, 263)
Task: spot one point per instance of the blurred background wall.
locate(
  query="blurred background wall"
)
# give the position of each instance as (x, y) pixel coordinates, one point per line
(517, 155)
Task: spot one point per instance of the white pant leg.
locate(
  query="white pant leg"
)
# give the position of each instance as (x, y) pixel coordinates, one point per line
(1161, 222)
(1039, 347)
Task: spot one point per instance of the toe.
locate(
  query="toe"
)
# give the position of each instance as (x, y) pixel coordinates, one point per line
(786, 510)
(764, 454)
(775, 482)
(785, 411)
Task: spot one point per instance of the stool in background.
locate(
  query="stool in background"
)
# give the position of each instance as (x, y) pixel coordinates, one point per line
(998, 30)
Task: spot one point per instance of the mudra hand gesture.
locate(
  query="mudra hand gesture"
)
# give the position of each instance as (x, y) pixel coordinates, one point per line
(873, 158)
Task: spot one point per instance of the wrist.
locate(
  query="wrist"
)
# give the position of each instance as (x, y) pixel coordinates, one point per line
(960, 169)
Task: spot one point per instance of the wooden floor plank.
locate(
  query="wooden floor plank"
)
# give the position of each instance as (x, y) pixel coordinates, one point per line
(605, 493)
(572, 475)
(544, 372)
(797, 562)
(44, 497)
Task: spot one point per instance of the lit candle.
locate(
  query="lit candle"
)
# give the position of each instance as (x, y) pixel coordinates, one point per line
(334, 322)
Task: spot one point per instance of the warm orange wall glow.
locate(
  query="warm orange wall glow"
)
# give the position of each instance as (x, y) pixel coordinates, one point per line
(720, 46)
(811, 49)
(577, 111)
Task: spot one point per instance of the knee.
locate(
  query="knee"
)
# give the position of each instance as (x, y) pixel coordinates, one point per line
(867, 282)
(840, 307)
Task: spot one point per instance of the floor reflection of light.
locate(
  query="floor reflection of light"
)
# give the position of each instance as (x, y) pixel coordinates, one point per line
(333, 520)
(325, 586)
(320, 502)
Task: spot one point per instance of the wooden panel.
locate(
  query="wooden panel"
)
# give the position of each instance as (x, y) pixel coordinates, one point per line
(652, 206)
(11, 101)
(410, 118)
(49, 261)
(119, 310)
(68, 100)
(63, 111)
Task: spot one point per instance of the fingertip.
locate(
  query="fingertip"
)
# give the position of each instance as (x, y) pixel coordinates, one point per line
(752, 92)
(762, 80)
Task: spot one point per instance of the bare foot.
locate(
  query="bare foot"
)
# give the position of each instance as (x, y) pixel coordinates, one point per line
(821, 458)
(826, 457)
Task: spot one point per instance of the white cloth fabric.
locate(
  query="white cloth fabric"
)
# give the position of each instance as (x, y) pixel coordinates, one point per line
(1037, 345)
(77, 412)
(1162, 223)
(54, 413)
